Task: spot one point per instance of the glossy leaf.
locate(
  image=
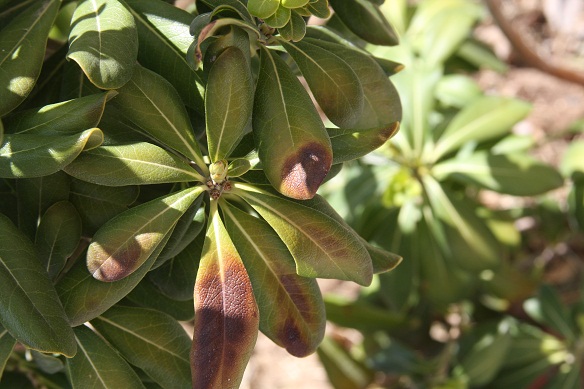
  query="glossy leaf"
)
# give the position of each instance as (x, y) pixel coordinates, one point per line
(262, 8)
(291, 307)
(351, 144)
(30, 309)
(7, 343)
(132, 164)
(147, 295)
(154, 105)
(365, 20)
(22, 49)
(97, 204)
(321, 246)
(335, 86)
(163, 29)
(150, 340)
(104, 42)
(57, 236)
(26, 156)
(228, 102)
(226, 313)
(483, 119)
(293, 3)
(280, 18)
(292, 143)
(125, 242)
(295, 29)
(71, 116)
(98, 365)
(516, 174)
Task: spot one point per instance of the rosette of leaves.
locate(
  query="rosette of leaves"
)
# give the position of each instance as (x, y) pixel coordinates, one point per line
(139, 164)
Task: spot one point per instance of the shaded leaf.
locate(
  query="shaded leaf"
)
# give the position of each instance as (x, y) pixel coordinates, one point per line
(319, 8)
(154, 105)
(549, 310)
(98, 365)
(572, 164)
(291, 140)
(7, 343)
(349, 144)
(104, 42)
(321, 246)
(342, 369)
(291, 307)
(150, 340)
(147, 295)
(295, 29)
(363, 316)
(22, 49)
(226, 313)
(57, 236)
(26, 156)
(125, 242)
(132, 164)
(30, 309)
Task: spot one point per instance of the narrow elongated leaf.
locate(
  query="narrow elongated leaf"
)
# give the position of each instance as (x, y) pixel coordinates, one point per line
(7, 343)
(228, 102)
(98, 365)
(343, 370)
(262, 8)
(352, 144)
(84, 297)
(292, 142)
(133, 164)
(361, 315)
(26, 156)
(70, 116)
(150, 340)
(291, 307)
(335, 86)
(30, 309)
(321, 246)
(104, 42)
(154, 105)
(226, 313)
(57, 236)
(486, 118)
(124, 243)
(22, 49)
(516, 174)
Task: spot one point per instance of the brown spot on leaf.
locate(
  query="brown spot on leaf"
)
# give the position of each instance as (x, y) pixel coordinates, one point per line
(118, 264)
(304, 171)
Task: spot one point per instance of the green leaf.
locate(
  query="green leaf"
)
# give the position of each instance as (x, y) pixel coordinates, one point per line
(22, 50)
(30, 309)
(1, 132)
(342, 369)
(549, 310)
(29, 155)
(147, 295)
(485, 118)
(295, 29)
(572, 163)
(321, 246)
(335, 86)
(262, 8)
(226, 313)
(125, 242)
(291, 307)
(150, 340)
(98, 365)
(293, 3)
(280, 18)
(365, 20)
(66, 117)
(228, 102)
(104, 42)
(7, 343)
(97, 204)
(349, 144)
(291, 140)
(58, 236)
(84, 298)
(319, 8)
(517, 174)
(361, 315)
(132, 164)
(153, 104)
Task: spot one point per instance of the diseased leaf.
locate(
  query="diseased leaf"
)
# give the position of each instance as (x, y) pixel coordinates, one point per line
(29, 308)
(125, 242)
(291, 308)
(292, 143)
(321, 246)
(150, 340)
(22, 49)
(335, 86)
(154, 105)
(131, 164)
(7, 343)
(29, 155)
(226, 313)
(98, 365)
(104, 42)
(228, 102)
(57, 236)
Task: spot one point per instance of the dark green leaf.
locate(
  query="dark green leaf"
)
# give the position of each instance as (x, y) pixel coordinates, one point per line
(147, 295)
(7, 343)
(549, 310)
(319, 8)
(295, 29)
(362, 316)
(30, 309)
(104, 42)
(351, 144)
(343, 370)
